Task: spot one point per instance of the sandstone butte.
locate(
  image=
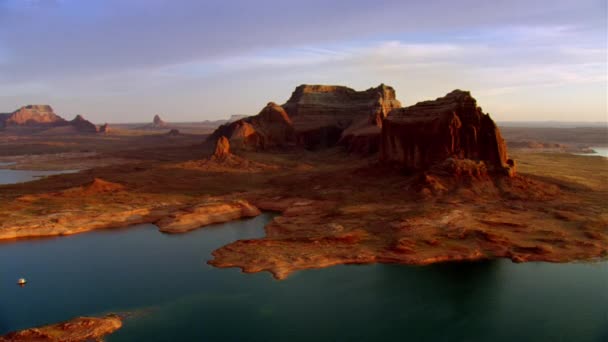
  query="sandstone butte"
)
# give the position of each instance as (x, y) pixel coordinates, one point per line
(43, 117)
(75, 330)
(316, 116)
(441, 189)
(452, 126)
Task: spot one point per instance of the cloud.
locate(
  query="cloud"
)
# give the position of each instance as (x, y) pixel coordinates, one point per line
(113, 54)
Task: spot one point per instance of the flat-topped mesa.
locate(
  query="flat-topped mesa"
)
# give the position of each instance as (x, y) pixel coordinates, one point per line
(83, 125)
(272, 127)
(452, 126)
(321, 113)
(32, 116)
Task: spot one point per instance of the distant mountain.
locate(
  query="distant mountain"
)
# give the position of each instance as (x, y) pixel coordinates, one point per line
(236, 117)
(552, 124)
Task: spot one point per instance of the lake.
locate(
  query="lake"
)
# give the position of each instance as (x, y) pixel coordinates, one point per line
(8, 176)
(174, 295)
(597, 151)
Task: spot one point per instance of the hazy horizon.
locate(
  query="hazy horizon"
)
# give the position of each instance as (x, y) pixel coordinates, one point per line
(125, 61)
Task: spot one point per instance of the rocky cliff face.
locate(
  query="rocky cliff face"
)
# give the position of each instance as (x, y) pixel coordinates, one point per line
(83, 125)
(32, 116)
(321, 113)
(452, 126)
(272, 127)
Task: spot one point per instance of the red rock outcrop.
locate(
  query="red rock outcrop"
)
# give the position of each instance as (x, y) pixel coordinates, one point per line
(77, 329)
(32, 116)
(222, 148)
(83, 125)
(272, 127)
(453, 126)
(323, 115)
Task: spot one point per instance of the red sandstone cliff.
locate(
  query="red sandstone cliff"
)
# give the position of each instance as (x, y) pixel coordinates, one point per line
(321, 114)
(272, 127)
(452, 126)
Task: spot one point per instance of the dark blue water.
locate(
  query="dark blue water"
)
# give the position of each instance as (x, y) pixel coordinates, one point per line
(175, 296)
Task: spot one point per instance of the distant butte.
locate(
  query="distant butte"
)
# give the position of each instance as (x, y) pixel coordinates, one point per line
(83, 125)
(43, 117)
(158, 122)
(32, 116)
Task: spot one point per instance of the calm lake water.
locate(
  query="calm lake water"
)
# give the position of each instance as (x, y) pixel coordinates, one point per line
(175, 295)
(600, 151)
(19, 176)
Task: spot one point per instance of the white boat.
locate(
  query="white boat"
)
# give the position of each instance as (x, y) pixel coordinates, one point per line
(21, 281)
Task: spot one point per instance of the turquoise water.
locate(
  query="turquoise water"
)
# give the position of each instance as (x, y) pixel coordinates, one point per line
(175, 296)
(19, 176)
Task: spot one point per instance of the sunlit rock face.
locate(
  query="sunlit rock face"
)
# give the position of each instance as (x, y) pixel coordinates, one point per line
(452, 126)
(32, 116)
(324, 115)
(270, 128)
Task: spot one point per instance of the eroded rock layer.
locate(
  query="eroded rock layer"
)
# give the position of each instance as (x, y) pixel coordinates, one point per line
(272, 127)
(452, 126)
(321, 113)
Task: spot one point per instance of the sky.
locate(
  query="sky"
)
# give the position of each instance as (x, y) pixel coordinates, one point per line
(126, 60)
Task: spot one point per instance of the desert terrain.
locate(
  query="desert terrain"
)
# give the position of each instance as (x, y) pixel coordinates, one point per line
(342, 196)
